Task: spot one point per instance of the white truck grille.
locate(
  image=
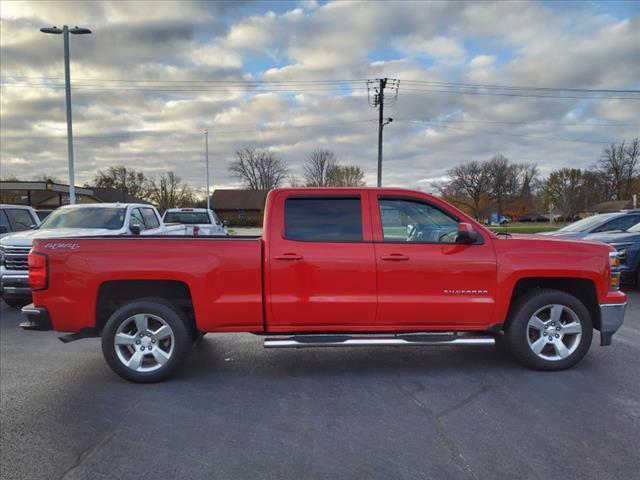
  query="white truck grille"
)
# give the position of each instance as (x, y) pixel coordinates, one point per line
(15, 258)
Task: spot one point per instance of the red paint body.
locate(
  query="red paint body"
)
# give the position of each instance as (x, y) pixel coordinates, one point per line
(272, 284)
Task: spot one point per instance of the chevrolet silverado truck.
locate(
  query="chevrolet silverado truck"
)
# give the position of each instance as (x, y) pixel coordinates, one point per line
(335, 267)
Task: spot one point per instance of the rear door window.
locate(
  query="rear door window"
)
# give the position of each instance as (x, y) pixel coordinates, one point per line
(150, 219)
(323, 219)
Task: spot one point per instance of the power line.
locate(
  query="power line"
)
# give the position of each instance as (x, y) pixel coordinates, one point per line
(516, 87)
(413, 82)
(525, 95)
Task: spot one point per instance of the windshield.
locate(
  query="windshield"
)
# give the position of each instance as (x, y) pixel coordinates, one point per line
(86, 217)
(187, 217)
(585, 224)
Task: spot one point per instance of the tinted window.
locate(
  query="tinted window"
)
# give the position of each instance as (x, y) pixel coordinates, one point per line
(187, 217)
(4, 221)
(85, 217)
(414, 221)
(20, 219)
(323, 219)
(621, 223)
(150, 219)
(136, 219)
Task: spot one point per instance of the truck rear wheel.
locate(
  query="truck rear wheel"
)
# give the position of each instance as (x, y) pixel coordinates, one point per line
(146, 340)
(549, 330)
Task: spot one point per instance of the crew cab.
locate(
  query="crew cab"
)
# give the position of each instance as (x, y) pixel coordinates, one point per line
(335, 267)
(197, 221)
(95, 219)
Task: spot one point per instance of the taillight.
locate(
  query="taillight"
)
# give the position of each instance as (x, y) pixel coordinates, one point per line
(614, 269)
(38, 271)
(196, 230)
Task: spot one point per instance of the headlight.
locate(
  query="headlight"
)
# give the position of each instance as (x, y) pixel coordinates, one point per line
(614, 271)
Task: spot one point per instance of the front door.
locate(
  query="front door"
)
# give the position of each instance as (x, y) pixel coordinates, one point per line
(321, 267)
(426, 280)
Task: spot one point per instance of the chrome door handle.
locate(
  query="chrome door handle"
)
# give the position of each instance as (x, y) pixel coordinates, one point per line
(395, 257)
(288, 256)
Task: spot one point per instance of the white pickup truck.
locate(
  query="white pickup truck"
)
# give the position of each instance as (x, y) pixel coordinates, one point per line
(88, 219)
(198, 221)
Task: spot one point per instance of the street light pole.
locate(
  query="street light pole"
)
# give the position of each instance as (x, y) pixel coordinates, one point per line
(65, 31)
(206, 160)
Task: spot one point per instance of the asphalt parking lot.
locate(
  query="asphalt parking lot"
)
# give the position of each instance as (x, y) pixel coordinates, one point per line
(237, 411)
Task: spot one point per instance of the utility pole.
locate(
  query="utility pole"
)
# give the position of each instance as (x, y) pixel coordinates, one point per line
(383, 84)
(65, 31)
(206, 160)
(378, 101)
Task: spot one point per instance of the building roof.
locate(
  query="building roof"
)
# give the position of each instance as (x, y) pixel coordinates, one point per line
(238, 199)
(611, 206)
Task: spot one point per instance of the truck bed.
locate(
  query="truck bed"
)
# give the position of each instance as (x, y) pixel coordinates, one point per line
(223, 276)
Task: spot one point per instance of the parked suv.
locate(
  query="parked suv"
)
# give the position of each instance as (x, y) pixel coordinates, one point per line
(17, 218)
(606, 222)
(90, 219)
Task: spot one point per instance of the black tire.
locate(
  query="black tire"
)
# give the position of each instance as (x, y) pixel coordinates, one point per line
(17, 302)
(521, 338)
(159, 309)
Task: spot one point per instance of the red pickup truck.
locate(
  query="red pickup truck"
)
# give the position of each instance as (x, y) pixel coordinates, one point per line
(334, 267)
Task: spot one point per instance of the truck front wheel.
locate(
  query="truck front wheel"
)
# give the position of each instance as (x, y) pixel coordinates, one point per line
(146, 340)
(549, 330)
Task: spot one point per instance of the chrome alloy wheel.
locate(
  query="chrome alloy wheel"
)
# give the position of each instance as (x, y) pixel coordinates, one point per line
(554, 332)
(144, 342)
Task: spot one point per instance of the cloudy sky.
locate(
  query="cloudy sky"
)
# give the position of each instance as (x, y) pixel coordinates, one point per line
(292, 77)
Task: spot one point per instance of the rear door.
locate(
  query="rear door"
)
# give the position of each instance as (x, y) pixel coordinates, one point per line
(320, 263)
(426, 280)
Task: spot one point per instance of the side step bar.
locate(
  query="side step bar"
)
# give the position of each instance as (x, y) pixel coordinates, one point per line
(307, 341)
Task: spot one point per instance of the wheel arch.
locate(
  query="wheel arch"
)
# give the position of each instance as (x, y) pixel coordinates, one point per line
(582, 288)
(113, 294)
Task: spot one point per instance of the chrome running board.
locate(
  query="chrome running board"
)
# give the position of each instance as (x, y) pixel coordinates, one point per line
(307, 341)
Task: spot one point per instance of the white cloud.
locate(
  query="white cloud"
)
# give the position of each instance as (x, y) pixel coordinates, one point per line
(482, 61)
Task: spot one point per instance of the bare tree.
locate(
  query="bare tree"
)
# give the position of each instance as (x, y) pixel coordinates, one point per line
(321, 169)
(470, 184)
(258, 169)
(348, 176)
(619, 165)
(504, 179)
(169, 191)
(122, 178)
(563, 190)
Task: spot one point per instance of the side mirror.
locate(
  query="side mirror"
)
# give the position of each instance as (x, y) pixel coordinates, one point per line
(466, 234)
(225, 223)
(33, 227)
(135, 229)
(4, 229)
